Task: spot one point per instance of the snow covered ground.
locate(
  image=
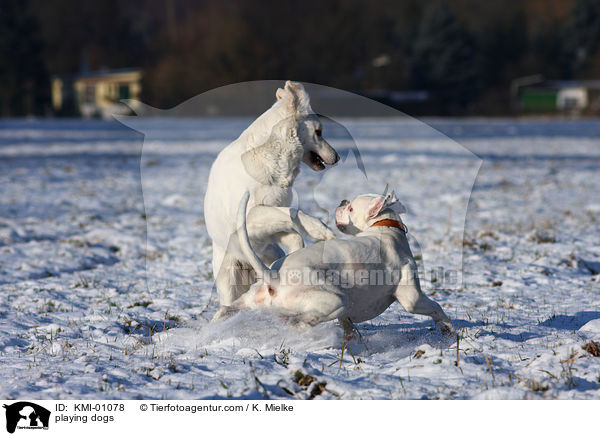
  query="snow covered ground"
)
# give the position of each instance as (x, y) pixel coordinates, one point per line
(91, 308)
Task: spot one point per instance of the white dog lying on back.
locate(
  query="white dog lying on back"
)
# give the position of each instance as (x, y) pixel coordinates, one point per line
(380, 245)
(264, 161)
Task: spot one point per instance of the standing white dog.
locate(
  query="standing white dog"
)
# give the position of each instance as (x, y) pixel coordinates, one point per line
(353, 280)
(264, 161)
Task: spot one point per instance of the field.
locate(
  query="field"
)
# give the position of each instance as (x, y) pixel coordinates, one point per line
(106, 287)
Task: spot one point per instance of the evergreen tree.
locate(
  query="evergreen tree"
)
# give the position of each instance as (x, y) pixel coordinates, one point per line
(444, 59)
(581, 36)
(23, 81)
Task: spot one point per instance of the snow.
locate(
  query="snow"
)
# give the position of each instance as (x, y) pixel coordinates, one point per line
(106, 286)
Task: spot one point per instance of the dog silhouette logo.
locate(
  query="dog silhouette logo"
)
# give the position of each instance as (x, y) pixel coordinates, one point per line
(26, 415)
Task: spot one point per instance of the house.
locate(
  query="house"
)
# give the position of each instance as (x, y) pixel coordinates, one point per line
(567, 96)
(96, 93)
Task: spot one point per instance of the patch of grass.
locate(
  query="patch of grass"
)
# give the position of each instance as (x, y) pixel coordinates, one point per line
(488, 234)
(593, 348)
(174, 318)
(418, 354)
(151, 255)
(306, 381)
(85, 282)
(543, 237)
(471, 243)
(284, 356)
(140, 304)
(537, 386)
(48, 306)
(302, 379)
(567, 369)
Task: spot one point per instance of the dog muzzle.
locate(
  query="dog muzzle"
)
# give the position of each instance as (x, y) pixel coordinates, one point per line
(340, 222)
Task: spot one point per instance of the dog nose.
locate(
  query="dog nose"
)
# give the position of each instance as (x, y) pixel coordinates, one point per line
(343, 203)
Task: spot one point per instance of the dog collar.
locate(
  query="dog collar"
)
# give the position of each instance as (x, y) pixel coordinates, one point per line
(391, 223)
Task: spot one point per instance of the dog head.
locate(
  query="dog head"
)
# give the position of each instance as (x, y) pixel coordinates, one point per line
(308, 127)
(355, 216)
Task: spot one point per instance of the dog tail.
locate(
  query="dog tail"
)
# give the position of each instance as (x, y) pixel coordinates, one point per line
(251, 256)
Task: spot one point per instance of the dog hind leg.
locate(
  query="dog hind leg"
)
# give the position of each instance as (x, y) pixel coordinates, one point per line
(234, 279)
(271, 253)
(311, 307)
(349, 329)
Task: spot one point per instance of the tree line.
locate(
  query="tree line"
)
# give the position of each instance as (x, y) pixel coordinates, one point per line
(464, 53)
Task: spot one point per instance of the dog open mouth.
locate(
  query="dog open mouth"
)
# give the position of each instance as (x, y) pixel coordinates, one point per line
(316, 162)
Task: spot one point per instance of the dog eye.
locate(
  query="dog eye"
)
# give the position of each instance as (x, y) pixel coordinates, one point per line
(318, 132)
(350, 209)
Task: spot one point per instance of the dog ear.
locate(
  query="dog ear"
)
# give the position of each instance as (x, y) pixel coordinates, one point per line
(260, 161)
(375, 207)
(392, 202)
(300, 101)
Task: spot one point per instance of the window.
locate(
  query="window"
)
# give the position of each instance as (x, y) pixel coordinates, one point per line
(90, 94)
(123, 91)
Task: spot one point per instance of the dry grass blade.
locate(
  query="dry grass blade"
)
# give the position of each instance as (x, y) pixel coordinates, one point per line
(509, 373)
(260, 387)
(457, 350)
(549, 373)
(342, 356)
(418, 354)
(490, 367)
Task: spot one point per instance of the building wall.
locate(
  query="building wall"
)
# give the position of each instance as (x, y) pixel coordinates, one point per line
(101, 95)
(57, 94)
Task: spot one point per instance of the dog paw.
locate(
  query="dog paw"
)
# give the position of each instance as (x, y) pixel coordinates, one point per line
(295, 322)
(350, 336)
(321, 232)
(223, 313)
(328, 234)
(314, 227)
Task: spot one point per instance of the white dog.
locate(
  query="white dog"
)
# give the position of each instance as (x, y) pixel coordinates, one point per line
(264, 161)
(353, 280)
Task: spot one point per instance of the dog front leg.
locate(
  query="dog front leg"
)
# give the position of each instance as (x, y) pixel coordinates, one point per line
(419, 303)
(268, 220)
(409, 295)
(313, 226)
(290, 241)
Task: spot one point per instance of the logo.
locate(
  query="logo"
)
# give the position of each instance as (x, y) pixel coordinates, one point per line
(25, 415)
